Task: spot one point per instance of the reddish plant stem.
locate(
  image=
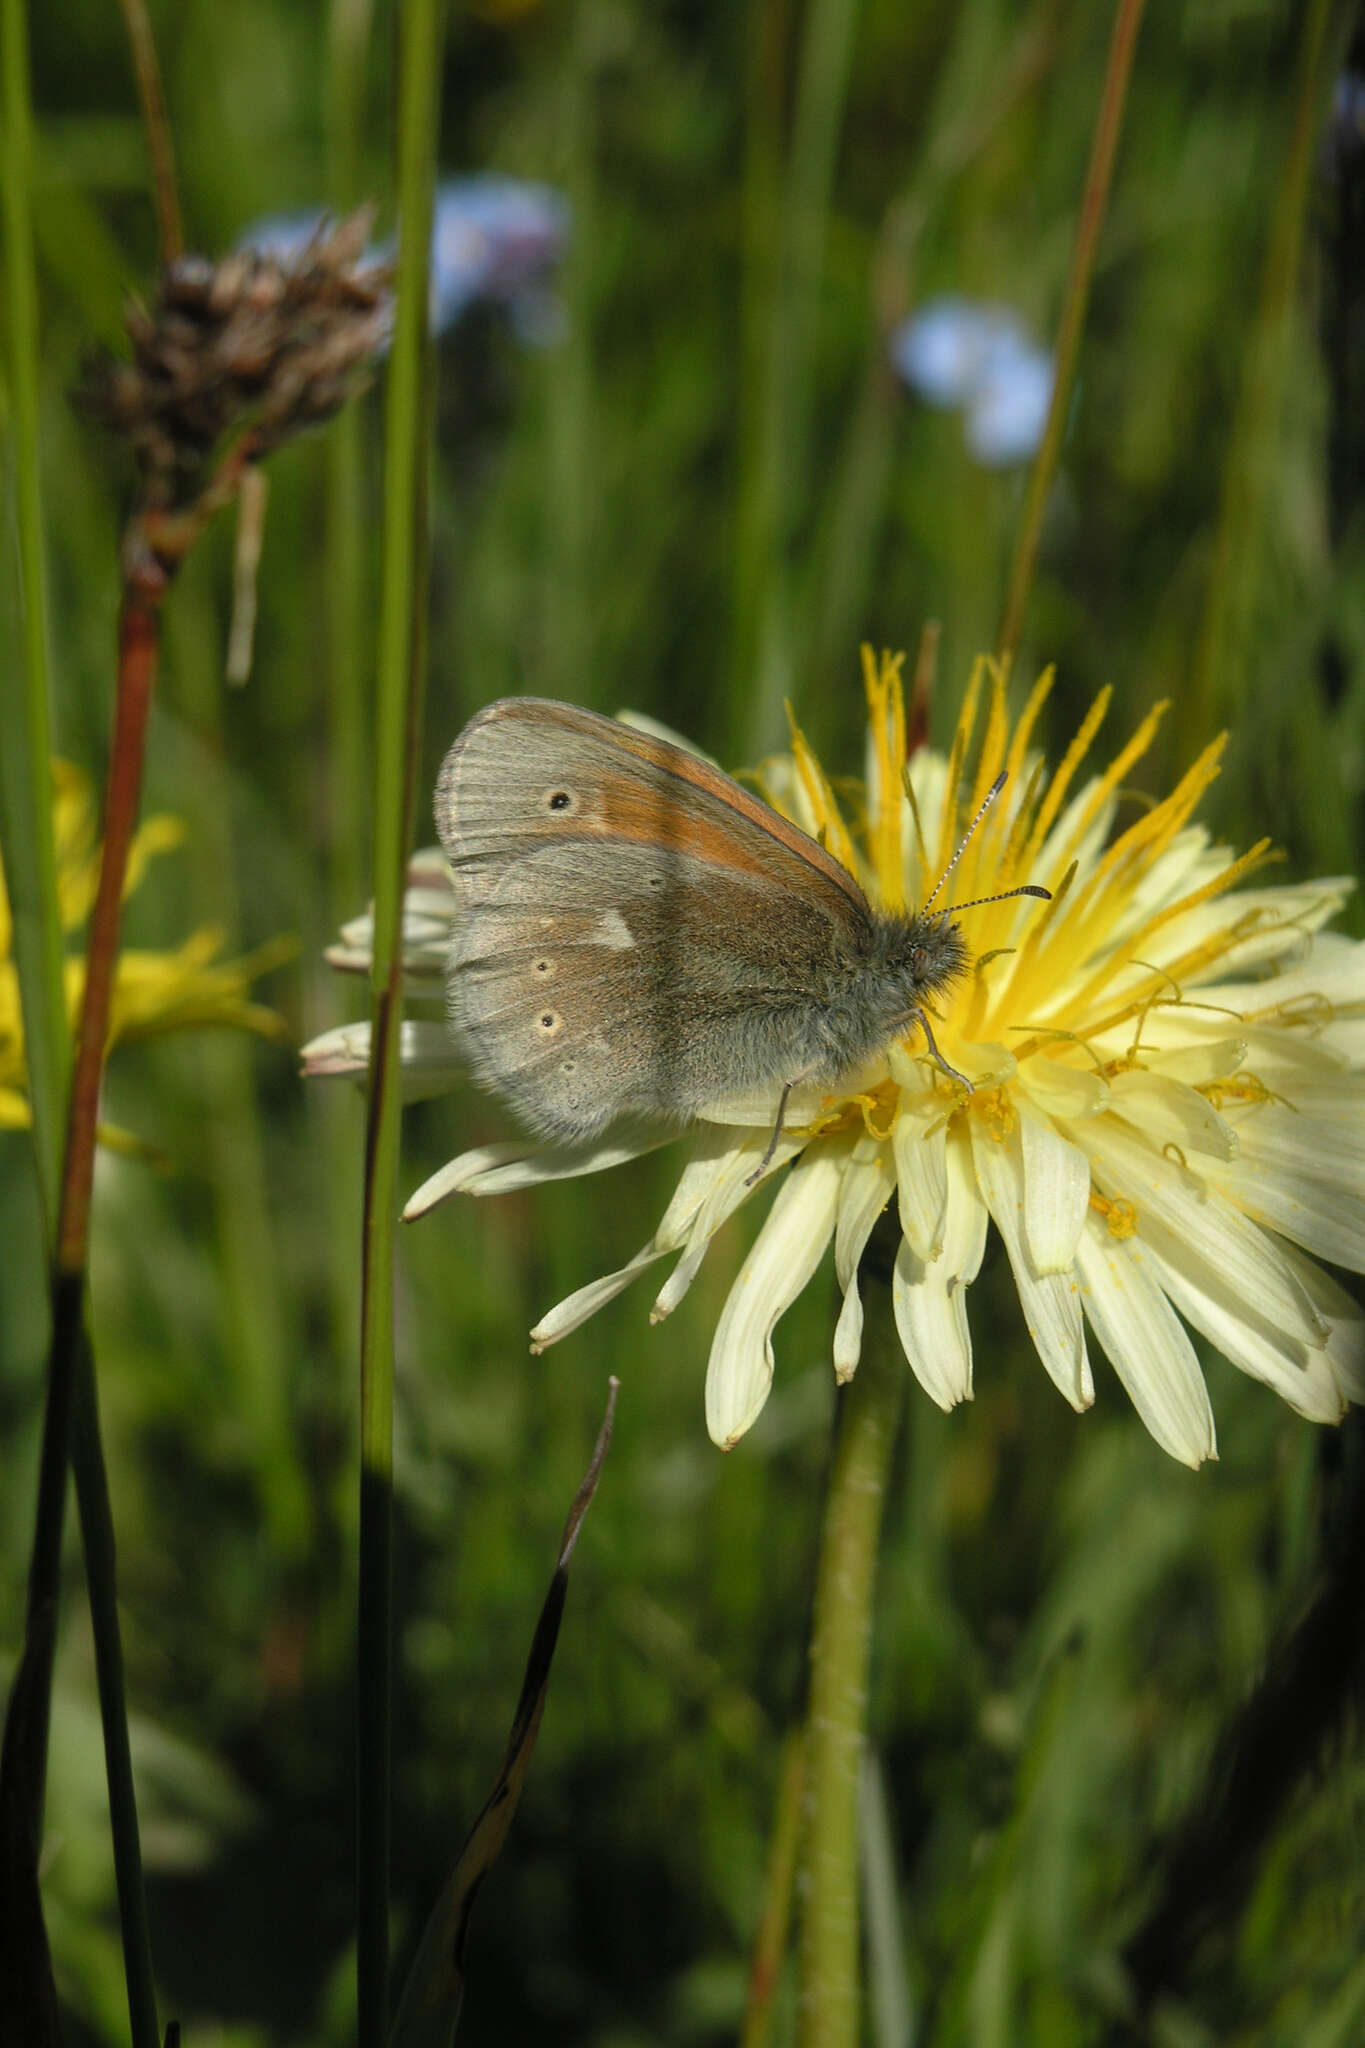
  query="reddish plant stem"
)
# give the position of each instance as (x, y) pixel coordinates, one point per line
(139, 643)
(71, 1394)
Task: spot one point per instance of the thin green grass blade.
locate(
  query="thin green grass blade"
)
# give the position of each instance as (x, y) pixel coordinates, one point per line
(398, 712)
(26, 844)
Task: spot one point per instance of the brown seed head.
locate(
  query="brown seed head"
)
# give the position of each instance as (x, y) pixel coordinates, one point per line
(261, 342)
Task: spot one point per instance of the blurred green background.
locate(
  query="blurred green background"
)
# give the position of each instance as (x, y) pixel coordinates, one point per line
(696, 502)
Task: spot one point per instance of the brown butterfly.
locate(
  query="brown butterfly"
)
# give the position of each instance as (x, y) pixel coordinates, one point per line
(638, 936)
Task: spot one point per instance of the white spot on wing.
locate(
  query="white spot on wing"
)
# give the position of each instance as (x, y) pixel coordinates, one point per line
(612, 930)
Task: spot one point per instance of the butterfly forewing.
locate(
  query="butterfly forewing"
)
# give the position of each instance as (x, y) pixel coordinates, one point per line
(603, 960)
(527, 770)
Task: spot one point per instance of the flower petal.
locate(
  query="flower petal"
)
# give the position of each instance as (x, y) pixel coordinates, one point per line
(1063, 1090)
(867, 1186)
(715, 1182)
(1323, 1218)
(918, 1147)
(1301, 1170)
(427, 1062)
(1197, 1065)
(1056, 1192)
(1169, 1112)
(786, 1252)
(758, 1107)
(1051, 1301)
(339, 1054)
(729, 1182)
(1145, 1343)
(1176, 1206)
(930, 1301)
(571, 1313)
(522, 1163)
(1345, 1320)
(1300, 1373)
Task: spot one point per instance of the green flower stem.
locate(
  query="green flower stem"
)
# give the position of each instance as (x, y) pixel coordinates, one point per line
(1094, 200)
(840, 1646)
(401, 659)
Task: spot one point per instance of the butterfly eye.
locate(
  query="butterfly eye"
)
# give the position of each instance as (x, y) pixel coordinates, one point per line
(562, 801)
(919, 960)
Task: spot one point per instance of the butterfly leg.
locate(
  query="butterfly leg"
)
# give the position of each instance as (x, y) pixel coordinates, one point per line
(918, 1017)
(766, 1161)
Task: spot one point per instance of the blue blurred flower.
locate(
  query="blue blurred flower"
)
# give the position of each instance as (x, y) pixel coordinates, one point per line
(957, 352)
(494, 241)
(1344, 134)
(498, 240)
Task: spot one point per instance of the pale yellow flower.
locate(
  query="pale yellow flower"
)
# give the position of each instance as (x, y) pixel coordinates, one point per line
(154, 991)
(1166, 1117)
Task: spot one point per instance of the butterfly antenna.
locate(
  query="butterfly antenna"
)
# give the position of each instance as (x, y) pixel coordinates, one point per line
(1024, 889)
(987, 800)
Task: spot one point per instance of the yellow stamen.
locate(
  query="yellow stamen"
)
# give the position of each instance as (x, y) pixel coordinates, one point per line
(1009, 855)
(887, 1100)
(957, 754)
(921, 849)
(1023, 732)
(1200, 956)
(1150, 835)
(1311, 1009)
(1242, 1087)
(1061, 781)
(1112, 777)
(1047, 1034)
(1048, 916)
(997, 731)
(995, 1109)
(830, 826)
(1121, 1219)
(886, 715)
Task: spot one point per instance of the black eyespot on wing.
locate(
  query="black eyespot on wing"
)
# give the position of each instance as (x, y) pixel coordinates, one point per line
(549, 1024)
(562, 802)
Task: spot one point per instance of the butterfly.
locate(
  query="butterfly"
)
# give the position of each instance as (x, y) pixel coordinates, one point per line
(638, 936)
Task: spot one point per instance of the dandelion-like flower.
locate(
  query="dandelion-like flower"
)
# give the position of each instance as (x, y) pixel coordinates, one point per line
(1164, 1116)
(153, 992)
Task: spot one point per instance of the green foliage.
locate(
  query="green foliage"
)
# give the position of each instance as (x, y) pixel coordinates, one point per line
(1066, 1619)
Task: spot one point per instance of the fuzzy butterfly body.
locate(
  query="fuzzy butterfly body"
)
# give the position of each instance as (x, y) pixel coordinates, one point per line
(638, 936)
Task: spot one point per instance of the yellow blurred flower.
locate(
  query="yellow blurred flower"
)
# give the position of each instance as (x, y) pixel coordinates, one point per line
(154, 991)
